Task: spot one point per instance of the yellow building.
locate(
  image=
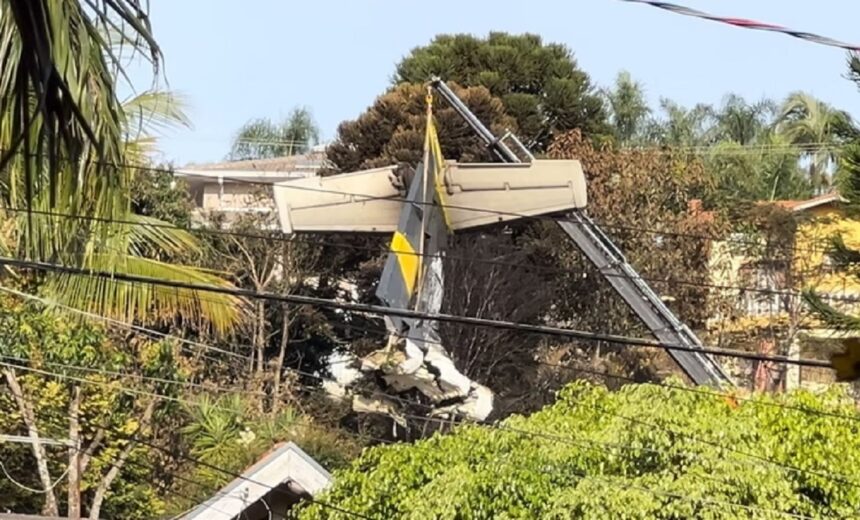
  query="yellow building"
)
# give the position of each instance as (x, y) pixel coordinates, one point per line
(759, 277)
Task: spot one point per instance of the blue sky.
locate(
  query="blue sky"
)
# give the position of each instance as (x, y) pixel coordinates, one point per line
(237, 60)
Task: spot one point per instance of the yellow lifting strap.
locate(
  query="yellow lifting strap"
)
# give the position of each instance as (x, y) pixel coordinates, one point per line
(434, 162)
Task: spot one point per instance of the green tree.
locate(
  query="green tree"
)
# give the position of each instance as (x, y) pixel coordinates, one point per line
(744, 174)
(229, 433)
(680, 126)
(57, 99)
(642, 452)
(262, 138)
(157, 193)
(539, 84)
(845, 258)
(264, 262)
(816, 127)
(626, 189)
(627, 107)
(742, 122)
(70, 380)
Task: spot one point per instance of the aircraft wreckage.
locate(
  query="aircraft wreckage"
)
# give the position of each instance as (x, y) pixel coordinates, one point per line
(444, 197)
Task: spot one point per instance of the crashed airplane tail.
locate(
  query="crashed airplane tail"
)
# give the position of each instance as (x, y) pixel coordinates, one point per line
(443, 197)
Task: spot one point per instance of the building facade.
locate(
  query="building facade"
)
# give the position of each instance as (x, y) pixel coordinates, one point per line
(234, 188)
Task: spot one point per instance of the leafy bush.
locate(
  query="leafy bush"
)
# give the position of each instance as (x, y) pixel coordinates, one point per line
(645, 451)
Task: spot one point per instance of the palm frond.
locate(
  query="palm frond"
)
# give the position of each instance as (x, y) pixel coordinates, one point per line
(151, 234)
(153, 111)
(828, 314)
(61, 124)
(843, 256)
(146, 303)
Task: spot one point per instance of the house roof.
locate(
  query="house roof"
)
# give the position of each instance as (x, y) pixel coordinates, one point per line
(796, 206)
(288, 163)
(285, 464)
(274, 169)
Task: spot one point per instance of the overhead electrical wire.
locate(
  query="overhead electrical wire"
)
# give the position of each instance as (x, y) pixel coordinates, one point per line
(681, 10)
(578, 442)
(383, 332)
(41, 413)
(629, 379)
(374, 394)
(101, 457)
(843, 479)
(367, 198)
(43, 491)
(224, 471)
(750, 24)
(406, 313)
(119, 323)
(477, 260)
(764, 459)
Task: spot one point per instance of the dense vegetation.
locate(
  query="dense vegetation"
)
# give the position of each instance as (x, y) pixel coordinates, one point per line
(220, 379)
(644, 451)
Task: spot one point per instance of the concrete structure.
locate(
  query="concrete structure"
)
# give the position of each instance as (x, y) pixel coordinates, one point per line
(268, 489)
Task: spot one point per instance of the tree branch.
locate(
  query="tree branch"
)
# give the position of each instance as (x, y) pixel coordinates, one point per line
(119, 462)
(50, 508)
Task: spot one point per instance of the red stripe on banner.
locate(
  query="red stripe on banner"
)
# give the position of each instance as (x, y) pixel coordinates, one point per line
(743, 22)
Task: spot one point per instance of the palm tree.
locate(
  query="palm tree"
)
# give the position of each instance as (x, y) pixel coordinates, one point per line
(682, 126)
(627, 107)
(767, 171)
(262, 138)
(69, 149)
(816, 127)
(742, 122)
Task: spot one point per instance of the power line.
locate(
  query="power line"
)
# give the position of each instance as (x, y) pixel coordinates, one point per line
(589, 443)
(367, 197)
(384, 332)
(764, 459)
(207, 465)
(425, 341)
(750, 24)
(662, 384)
(357, 247)
(113, 373)
(29, 489)
(122, 324)
(592, 445)
(696, 390)
(171, 452)
(483, 261)
(406, 313)
(41, 414)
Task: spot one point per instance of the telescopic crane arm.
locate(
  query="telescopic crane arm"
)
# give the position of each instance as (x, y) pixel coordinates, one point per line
(611, 263)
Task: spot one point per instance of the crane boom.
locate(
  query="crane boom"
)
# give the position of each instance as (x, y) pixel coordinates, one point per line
(611, 264)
